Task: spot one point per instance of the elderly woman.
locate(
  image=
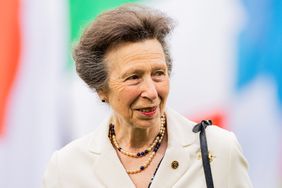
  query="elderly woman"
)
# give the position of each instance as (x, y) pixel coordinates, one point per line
(124, 57)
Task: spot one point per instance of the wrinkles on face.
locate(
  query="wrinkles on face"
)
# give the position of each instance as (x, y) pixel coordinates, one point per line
(142, 57)
(117, 88)
(138, 78)
(130, 56)
(115, 85)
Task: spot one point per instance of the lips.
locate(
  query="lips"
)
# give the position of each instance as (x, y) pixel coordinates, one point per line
(149, 111)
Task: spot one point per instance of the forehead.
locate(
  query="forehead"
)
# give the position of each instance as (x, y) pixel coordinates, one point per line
(131, 54)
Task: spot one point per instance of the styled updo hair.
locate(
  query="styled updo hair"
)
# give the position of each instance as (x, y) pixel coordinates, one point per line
(127, 23)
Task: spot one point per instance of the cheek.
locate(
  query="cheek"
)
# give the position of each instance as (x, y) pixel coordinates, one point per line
(130, 94)
(163, 89)
(115, 88)
(114, 92)
(120, 93)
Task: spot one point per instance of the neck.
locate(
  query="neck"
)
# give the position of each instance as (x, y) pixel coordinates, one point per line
(134, 138)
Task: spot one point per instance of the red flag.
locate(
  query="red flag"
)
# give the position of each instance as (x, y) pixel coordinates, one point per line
(9, 52)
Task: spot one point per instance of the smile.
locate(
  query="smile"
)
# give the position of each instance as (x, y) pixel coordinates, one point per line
(150, 111)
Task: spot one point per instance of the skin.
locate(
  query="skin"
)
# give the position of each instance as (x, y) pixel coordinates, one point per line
(138, 87)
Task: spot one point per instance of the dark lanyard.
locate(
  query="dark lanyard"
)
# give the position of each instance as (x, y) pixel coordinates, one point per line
(151, 181)
(200, 127)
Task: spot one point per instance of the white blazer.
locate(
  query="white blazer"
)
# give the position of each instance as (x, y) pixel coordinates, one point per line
(91, 161)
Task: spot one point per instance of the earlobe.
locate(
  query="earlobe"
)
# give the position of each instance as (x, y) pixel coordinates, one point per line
(102, 95)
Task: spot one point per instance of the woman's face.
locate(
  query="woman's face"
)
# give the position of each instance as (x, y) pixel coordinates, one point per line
(138, 84)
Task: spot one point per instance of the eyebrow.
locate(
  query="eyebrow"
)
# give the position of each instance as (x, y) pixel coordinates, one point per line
(134, 70)
(130, 72)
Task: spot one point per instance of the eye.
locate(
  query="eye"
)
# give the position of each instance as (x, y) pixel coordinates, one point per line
(133, 77)
(159, 73)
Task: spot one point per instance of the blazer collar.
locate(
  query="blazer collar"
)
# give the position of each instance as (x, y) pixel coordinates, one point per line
(107, 165)
(180, 138)
(110, 171)
(179, 129)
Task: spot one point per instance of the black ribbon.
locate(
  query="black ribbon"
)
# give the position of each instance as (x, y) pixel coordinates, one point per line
(200, 127)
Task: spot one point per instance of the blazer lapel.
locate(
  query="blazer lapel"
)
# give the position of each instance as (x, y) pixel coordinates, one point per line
(107, 165)
(179, 151)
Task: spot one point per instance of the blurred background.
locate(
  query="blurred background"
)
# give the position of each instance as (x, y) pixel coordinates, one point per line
(227, 59)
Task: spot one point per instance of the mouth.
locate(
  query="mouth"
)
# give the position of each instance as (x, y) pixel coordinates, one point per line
(148, 111)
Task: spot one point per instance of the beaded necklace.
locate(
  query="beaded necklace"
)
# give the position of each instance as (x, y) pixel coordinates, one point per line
(152, 149)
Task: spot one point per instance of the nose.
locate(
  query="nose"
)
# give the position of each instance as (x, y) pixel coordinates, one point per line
(149, 89)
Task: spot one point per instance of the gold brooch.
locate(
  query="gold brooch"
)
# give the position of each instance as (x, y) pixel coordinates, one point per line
(211, 156)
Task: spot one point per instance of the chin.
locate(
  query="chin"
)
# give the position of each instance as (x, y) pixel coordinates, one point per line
(147, 123)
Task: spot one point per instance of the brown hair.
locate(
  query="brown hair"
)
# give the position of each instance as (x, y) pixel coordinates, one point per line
(127, 23)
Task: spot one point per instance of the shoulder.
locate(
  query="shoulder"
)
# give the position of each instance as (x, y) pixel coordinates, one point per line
(224, 146)
(217, 137)
(217, 134)
(86, 144)
(221, 141)
(79, 145)
(227, 156)
(229, 166)
(84, 147)
(76, 154)
(71, 166)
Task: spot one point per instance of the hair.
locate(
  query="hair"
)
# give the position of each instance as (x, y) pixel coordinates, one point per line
(127, 23)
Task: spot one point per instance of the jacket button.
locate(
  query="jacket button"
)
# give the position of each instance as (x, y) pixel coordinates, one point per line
(174, 164)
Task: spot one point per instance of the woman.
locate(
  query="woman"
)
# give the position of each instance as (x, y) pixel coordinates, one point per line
(123, 55)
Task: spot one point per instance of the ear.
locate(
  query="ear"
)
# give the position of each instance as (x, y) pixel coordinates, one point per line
(102, 95)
